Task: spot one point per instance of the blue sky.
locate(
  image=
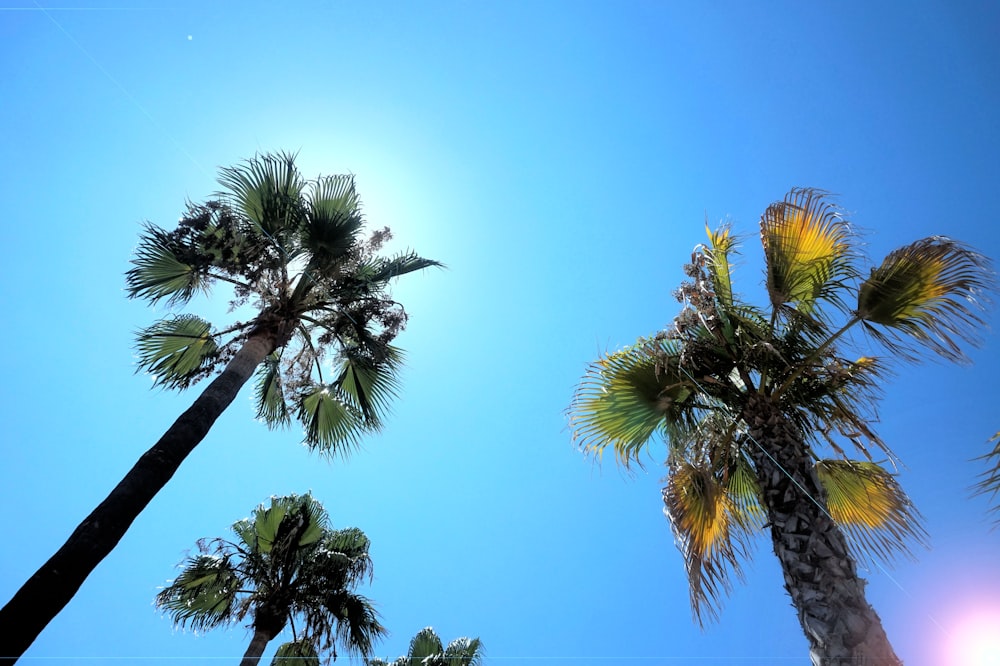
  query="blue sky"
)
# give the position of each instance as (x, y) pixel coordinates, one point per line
(561, 158)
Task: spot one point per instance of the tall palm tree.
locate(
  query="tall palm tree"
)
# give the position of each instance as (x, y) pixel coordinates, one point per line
(426, 649)
(286, 565)
(748, 397)
(319, 339)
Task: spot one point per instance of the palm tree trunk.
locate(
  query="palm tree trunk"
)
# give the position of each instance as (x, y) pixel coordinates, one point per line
(45, 594)
(256, 648)
(820, 576)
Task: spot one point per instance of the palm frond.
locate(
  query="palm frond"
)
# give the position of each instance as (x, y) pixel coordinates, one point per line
(163, 268)
(381, 269)
(710, 534)
(369, 385)
(464, 651)
(989, 483)
(331, 424)
(334, 220)
(721, 244)
(424, 644)
(296, 653)
(268, 190)
(871, 507)
(269, 395)
(203, 595)
(624, 398)
(806, 249)
(357, 626)
(930, 292)
(176, 350)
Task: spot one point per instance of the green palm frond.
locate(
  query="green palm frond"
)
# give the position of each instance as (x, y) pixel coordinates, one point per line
(370, 386)
(266, 527)
(176, 350)
(989, 483)
(464, 651)
(332, 425)
(296, 653)
(425, 643)
(335, 219)
(806, 249)
(268, 190)
(625, 397)
(871, 507)
(381, 269)
(269, 395)
(931, 292)
(204, 595)
(710, 532)
(163, 268)
(357, 625)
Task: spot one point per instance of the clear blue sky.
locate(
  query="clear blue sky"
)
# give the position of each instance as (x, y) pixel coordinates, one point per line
(561, 158)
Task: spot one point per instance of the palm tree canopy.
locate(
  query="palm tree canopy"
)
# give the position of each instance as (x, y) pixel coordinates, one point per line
(690, 384)
(426, 649)
(287, 565)
(295, 251)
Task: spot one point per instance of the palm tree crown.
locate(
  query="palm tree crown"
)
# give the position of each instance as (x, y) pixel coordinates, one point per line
(286, 567)
(749, 397)
(293, 249)
(426, 649)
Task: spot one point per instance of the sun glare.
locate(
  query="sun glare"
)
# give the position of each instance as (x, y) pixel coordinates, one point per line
(975, 640)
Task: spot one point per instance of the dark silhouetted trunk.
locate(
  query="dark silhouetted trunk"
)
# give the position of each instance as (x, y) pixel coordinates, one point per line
(820, 575)
(51, 587)
(256, 648)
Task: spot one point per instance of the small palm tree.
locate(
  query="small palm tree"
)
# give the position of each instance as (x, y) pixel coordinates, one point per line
(319, 340)
(747, 398)
(286, 568)
(426, 649)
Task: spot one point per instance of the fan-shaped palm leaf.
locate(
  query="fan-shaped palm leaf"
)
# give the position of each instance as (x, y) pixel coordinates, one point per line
(204, 595)
(370, 385)
(930, 291)
(424, 644)
(381, 270)
(335, 218)
(159, 272)
(296, 653)
(711, 534)
(626, 397)
(868, 503)
(331, 424)
(269, 395)
(464, 651)
(806, 249)
(268, 190)
(176, 350)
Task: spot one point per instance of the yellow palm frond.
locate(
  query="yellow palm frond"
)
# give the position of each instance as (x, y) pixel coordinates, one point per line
(931, 291)
(806, 248)
(721, 244)
(710, 533)
(871, 507)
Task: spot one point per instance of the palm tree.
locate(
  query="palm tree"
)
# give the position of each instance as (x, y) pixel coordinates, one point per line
(286, 565)
(319, 339)
(426, 649)
(747, 398)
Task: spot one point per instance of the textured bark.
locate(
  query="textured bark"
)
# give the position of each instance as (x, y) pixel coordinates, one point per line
(820, 575)
(256, 648)
(48, 591)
